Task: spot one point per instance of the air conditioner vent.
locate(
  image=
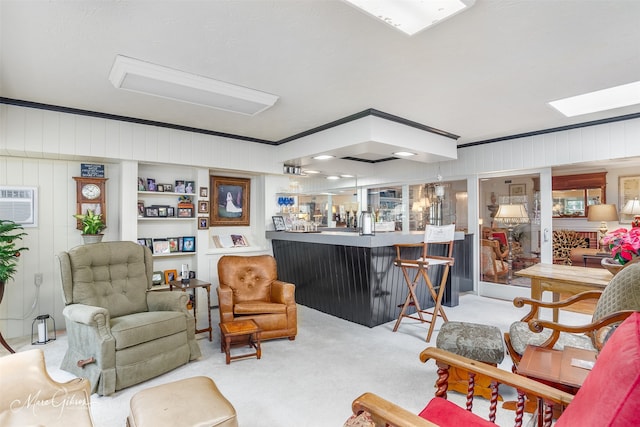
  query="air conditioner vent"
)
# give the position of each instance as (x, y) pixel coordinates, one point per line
(19, 204)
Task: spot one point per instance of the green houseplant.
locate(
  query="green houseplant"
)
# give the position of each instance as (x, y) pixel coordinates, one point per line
(10, 234)
(92, 226)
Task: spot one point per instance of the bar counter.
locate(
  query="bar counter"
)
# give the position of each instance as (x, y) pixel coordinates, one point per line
(353, 277)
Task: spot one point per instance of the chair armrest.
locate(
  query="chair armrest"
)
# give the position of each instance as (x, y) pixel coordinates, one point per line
(225, 303)
(496, 374)
(88, 315)
(385, 413)
(537, 304)
(167, 301)
(283, 292)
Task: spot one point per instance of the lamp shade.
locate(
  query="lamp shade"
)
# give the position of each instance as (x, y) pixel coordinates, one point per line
(602, 213)
(512, 214)
(632, 207)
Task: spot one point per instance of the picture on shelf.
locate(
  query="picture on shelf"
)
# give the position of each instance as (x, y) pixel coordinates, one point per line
(185, 212)
(168, 187)
(142, 242)
(157, 278)
(151, 184)
(278, 223)
(173, 244)
(230, 241)
(141, 185)
(180, 186)
(189, 187)
(189, 244)
(171, 211)
(170, 275)
(162, 211)
(140, 208)
(160, 188)
(192, 274)
(151, 211)
(161, 246)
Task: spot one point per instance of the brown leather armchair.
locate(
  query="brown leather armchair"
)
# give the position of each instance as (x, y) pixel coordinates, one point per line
(249, 289)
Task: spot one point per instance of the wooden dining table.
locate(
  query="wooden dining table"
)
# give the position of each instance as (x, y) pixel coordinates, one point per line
(565, 279)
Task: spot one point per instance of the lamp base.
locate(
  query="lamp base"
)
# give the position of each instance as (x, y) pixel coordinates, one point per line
(636, 221)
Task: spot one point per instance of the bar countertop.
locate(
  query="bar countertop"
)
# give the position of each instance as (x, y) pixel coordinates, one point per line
(347, 238)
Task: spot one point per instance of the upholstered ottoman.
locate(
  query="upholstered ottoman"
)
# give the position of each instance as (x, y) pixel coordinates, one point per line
(478, 342)
(193, 401)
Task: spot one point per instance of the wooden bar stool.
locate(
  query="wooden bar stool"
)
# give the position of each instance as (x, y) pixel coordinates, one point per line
(438, 235)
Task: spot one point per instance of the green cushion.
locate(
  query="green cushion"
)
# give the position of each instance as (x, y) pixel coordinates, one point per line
(137, 328)
(478, 342)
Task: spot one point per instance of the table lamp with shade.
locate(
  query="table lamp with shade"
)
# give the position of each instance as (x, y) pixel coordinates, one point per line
(603, 213)
(632, 207)
(511, 215)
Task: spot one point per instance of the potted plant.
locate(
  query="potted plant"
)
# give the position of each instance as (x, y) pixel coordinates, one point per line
(92, 226)
(10, 234)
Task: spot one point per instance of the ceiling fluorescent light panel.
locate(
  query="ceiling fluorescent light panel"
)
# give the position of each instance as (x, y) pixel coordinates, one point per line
(601, 100)
(151, 79)
(412, 16)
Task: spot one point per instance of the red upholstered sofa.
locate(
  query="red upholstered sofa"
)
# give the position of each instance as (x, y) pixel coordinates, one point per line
(610, 396)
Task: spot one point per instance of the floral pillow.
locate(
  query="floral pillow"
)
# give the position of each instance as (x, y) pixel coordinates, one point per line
(363, 419)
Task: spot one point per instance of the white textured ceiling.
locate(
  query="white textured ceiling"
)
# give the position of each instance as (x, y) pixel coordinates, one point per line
(486, 73)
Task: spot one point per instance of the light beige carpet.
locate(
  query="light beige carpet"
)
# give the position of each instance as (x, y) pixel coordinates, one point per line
(312, 381)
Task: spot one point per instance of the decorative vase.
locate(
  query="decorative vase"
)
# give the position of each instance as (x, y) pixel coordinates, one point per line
(92, 238)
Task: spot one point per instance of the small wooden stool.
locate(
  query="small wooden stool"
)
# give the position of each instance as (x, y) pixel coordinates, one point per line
(478, 342)
(239, 329)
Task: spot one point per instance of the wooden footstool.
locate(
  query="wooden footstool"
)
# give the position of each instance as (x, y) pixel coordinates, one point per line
(193, 401)
(240, 333)
(478, 342)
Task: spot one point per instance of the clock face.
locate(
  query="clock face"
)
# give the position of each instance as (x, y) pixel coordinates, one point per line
(91, 191)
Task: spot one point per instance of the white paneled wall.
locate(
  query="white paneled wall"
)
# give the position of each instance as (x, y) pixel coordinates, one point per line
(44, 149)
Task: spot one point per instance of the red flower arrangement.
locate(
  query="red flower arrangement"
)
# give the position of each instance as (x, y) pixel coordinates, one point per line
(624, 245)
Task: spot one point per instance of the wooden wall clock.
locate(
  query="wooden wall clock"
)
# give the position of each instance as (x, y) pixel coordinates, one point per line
(90, 194)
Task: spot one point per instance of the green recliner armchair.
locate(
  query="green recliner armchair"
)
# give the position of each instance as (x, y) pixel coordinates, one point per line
(119, 333)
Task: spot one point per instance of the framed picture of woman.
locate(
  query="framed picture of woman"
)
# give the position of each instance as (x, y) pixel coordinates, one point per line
(230, 204)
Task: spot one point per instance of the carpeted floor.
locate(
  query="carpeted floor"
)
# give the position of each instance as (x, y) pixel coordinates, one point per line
(312, 381)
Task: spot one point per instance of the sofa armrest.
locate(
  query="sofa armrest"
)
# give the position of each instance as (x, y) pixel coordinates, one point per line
(225, 303)
(167, 301)
(88, 315)
(385, 413)
(283, 292)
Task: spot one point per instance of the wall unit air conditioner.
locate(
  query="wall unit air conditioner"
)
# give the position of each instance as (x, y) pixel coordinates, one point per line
(19, 204)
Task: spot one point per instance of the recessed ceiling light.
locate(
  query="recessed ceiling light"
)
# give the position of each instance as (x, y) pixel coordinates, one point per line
(323, 157)
(403, 154)
(151, 79)
(333, 177)
(312, 172)
(346, 176)
(412, 16)
(600, 100)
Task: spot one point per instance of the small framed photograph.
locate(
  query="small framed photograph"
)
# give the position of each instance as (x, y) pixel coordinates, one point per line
(140, 208)
(278, 223)
(192, 274)
(188, 244)
(173, 244)
(160, 187)
(517, 190)
(160, 246)
(151, 184)
(171, 211)
(190, 187)
(185, 212)
(142, 242)
(230, 204)
(170, 275)
(149, 243)
(168, 187)
(203, 222)
(179, 186)
(204, 192)
(157, 278)
(142, 186)
(162, 211)
(151, 211)
(203, 206)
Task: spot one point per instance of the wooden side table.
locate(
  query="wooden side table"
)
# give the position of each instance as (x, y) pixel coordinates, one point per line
(193, 284)
(240, 329)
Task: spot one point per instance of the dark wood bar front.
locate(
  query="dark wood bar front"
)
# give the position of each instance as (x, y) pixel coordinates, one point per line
(353, 277)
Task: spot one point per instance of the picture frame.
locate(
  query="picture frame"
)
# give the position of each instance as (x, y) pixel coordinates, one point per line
(171, 211)
(203, 222)
(173, 244)
(204, 192)
(160, 188)
(151, 211)
(179, 186)
(162, 211)
(140, 209)
(157, 278)
(517, 190)
(168, 187)
(185, 212)
(230, 204)
(151, 184)
(192, 274)
(149, 242)
(188, 243)
(142, 242)
(190, 187)
(628, 189)
(142, 186)
(278, 223)
(203, 206)
(161, 246)
(170, 276)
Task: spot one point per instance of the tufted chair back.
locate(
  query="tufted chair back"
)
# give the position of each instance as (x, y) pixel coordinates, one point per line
(111, 275)
(249, 278)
